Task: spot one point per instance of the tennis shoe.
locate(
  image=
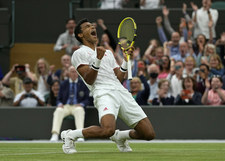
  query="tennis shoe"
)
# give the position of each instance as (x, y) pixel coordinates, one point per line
(122, 144)
(68, 143)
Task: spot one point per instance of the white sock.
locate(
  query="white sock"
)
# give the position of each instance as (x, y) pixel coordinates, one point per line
(124, 134)
(76, 133)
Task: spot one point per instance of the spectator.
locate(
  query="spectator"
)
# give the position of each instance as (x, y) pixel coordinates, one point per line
(216, 66)
(150, 4)
(42, 72)
(115, 4)
(164, 96)
(220, 44)
(164, 66)
(209, 50)
(203, 16)
(29, 97)
(215, 95)
(199, 47)
(72, 99)
(189, 67)
(176, 80)
(6, 95)
(63, 73)
(151, 52)
(153, 71)
(184, 52)
(188, 95)
(54, 91)
(182, 26)
(67, 39)
(107, 39)
(204, 75)
(139, 94)
(16, 82)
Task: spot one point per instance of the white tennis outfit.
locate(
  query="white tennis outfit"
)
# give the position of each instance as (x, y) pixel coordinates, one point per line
(110, 97)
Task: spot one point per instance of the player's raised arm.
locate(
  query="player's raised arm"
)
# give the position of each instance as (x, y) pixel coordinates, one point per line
(120, 73)
(90, 74)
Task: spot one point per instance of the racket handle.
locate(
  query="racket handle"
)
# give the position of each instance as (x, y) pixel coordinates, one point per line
(129, 68)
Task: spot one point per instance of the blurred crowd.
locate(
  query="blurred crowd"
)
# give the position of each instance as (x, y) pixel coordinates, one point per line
(186, 68)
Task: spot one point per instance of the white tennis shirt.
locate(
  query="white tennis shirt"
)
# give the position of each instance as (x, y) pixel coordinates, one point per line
(106, 78)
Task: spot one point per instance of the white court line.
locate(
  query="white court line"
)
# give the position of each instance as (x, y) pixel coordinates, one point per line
(109, 141)
(21, 154)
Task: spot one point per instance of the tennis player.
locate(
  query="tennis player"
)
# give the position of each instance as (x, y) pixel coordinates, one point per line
(102, 75)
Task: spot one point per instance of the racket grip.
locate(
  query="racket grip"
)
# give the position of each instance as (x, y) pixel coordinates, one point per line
(129, 69)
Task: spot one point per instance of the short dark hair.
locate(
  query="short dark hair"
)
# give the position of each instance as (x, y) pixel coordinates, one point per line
(78, 29)
(205, 66)
(189, 78)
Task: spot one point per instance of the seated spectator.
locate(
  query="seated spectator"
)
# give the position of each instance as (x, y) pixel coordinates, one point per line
(29, 97)
(153, 53)
(164, 96)
(16, 82)
(188, 95)
(216, 66)
(139, 94)
(204, 75)
(199, 47)
(153, 71)
(67, 41)
(151, 4)
(189, 67)
(63, 73)
(72, 98)
(6, 95)
(220, 44)
(176, 80)
(107, 39)
(215, 95)
(209, 50)
(164, 66)
(42, 72)
(54, 91)
(184, 52)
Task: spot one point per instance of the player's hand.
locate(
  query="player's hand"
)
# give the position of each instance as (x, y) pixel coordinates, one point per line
(128, 52)
(100, 52)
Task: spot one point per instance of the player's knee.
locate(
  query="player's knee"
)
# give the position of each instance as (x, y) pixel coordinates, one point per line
(108, 132)
(149, 135)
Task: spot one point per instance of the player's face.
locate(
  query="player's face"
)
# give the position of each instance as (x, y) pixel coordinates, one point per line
(89, 33)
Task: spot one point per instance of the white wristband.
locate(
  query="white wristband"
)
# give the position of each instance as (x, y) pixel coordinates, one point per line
(96, 64)
(123, 67)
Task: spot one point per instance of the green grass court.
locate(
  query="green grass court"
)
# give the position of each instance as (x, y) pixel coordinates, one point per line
(108, 152)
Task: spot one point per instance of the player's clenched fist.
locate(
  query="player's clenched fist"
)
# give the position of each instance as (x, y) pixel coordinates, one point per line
(100, 52)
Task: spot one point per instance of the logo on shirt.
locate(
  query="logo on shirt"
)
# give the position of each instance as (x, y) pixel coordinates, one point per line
(105, 109)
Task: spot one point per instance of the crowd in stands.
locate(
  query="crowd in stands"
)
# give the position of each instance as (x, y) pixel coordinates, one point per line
(173, 68)
(186, 68)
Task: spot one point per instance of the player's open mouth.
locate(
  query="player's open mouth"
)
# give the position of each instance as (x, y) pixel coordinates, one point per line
(93, 33)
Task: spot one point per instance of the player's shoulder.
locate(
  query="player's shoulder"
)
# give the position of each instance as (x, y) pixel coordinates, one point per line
(109, 52)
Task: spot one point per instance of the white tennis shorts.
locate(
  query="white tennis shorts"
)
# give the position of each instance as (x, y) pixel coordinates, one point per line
(118, 103)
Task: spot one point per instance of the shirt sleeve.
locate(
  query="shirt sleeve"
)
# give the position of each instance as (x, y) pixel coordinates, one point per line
(80, 57)
(113, 62)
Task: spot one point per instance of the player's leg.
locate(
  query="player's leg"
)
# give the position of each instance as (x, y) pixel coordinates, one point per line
(143, 130)
(79, 116)
(105, 130)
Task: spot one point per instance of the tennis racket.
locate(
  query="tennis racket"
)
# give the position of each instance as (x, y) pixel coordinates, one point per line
(126, 35)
